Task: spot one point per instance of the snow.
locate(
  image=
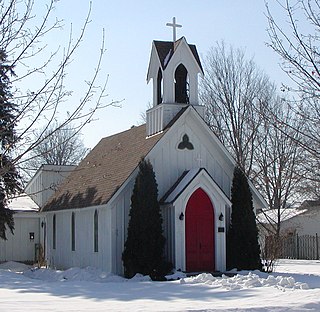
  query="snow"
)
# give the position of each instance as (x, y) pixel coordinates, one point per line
(271, 215)
(295, 286)
(22, 202)
(14, 266)
(246, 280)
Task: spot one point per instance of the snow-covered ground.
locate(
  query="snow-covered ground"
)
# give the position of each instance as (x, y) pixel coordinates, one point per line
(295, 286)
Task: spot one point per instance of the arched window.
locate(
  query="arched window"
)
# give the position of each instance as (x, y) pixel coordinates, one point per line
(159, 87)
(95, 232)
(181, 85)
(73, 232)
(54, 231)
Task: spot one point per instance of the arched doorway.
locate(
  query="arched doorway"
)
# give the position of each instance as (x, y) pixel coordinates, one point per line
(199, 233)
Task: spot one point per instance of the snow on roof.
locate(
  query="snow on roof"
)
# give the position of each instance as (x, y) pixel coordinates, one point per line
(271, 215)
(22, 202)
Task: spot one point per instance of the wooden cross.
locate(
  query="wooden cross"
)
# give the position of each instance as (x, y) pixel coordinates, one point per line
(199, 160)
(174, 28)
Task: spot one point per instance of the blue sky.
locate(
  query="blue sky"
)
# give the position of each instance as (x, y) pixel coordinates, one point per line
(130, 27)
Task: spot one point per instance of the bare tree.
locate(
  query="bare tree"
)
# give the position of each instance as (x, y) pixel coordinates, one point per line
(311, 172)
(41, 72)
(233, 90)
(61, 147)
(38, 75)
(278, 173)
(295, 39)
(257, 126)
(277, 163)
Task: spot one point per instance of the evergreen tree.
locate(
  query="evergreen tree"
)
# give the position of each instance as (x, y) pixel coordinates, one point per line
(243, 250)
(9, 177)
(143, 250)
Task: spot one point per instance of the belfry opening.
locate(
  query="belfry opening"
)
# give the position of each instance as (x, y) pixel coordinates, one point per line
(159, 87)
(181, 85)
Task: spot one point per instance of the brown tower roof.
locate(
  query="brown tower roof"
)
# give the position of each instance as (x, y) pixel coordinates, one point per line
(165, 51)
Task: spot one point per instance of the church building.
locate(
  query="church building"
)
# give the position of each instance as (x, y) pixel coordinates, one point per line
(87, 218)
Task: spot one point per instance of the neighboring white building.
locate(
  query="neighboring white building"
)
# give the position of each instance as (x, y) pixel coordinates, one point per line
(304, 220)
(299, 231)
(87, 217)
(30, 229)
(24, 245)
(45, 182)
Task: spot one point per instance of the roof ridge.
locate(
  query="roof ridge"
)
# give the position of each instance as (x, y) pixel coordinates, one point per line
(124, 131)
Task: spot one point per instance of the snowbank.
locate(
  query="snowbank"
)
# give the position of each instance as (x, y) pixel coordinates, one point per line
(14, 266)
(88, 274)
(242, 280)
(246, 280)
(89, 289)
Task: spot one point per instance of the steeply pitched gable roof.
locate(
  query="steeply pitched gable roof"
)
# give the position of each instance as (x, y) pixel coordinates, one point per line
(183, 182)
(103, 171)
(165, 51)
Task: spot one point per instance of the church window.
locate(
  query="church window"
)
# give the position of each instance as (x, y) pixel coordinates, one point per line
(159, 87)
(95, 232)
(73, 232)
(54, 230)
(185, 143)
(181, 85)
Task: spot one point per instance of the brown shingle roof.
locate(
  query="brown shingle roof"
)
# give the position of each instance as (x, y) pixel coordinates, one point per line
(165, 51)
(103, 171)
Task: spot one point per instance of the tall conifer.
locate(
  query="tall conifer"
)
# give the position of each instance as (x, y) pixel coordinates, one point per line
(9, 177)
(143, 252)
(243, 250)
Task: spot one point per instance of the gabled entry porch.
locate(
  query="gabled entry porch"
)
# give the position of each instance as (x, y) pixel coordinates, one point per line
(196, 236)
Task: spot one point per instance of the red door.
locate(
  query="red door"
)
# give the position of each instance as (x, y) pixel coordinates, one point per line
(199, 233)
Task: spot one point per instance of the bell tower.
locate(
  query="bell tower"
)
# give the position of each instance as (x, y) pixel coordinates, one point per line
(174, 68)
